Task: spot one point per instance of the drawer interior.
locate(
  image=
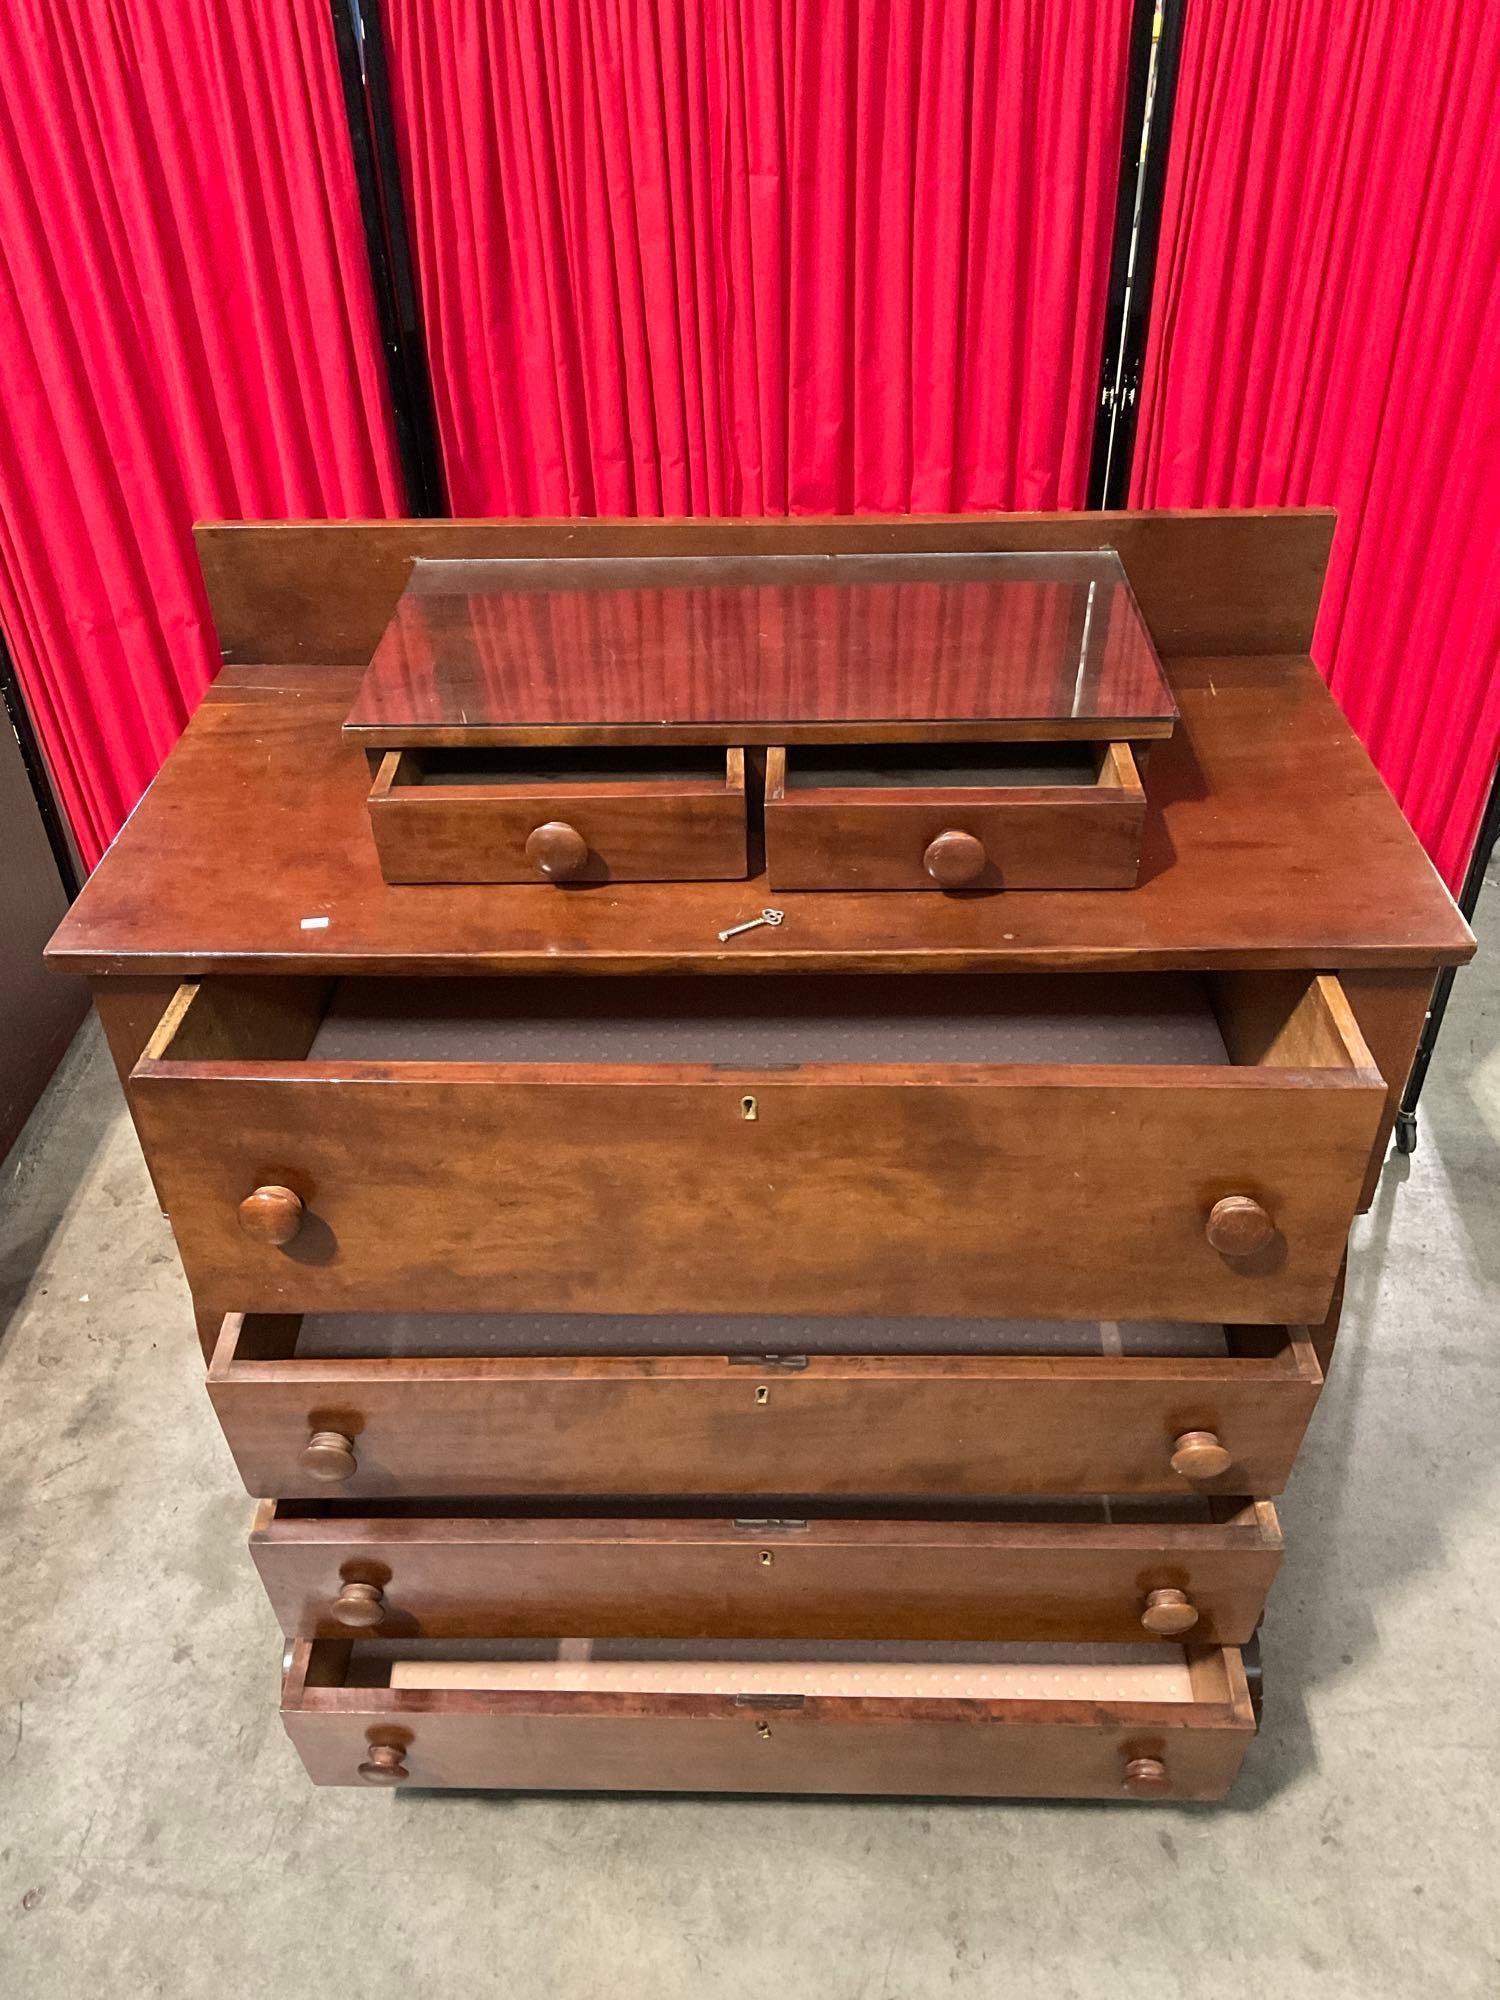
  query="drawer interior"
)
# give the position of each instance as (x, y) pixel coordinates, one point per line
(782, 1671)
(1166, 1018)
(906, 767)
(526, 772)
(925, 1671)
(793, 1515)
(355, 1336)
(1276, 1352)
(778, 1021)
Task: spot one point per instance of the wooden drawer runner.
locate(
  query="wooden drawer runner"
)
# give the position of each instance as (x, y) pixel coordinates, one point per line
(561, 816)
(967, 816)
(1111, 1571)
(917, 1721)
(1133, 1148)
(929, 1427)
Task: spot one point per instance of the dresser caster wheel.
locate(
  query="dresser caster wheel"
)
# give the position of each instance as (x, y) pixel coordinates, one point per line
(1255, 1675)
(1406, 1131)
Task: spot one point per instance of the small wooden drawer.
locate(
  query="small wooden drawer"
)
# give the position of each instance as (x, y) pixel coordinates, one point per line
(1116, 1571)
(561, 816)
(961, 816)
(865, 1145)
(868, 1426)
(932, 1721)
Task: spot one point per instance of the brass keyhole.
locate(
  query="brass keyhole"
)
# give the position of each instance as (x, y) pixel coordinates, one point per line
(762, 1394)
(763, 1731)
(766, 1558)
(749, 1108)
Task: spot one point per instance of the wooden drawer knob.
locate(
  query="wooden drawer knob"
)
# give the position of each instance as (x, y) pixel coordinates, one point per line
(1143, 1775)
(364, 1603)
(557, 851)
(328, 1455)
(383, 1766)
(1239, 1227)
(1199, 1455)
(955, 858)
(271, 1214)
(1169, 1612)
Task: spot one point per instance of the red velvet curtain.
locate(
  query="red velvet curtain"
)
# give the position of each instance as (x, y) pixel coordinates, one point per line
(758, 256)
(187, 330)
(1326, 328)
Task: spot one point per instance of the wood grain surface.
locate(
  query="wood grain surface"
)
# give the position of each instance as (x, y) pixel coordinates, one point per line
(710, 1743)
(931, 1428)
(1266, 829)
(655, 830)
(524, 1188)
(1232, 581)
(1073, 1575)
(1044, 837)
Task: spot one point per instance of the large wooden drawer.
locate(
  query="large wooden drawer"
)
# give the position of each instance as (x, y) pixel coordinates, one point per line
(929, 1721)
(1094, 1570)
(1136, 1148)
(929, 1427)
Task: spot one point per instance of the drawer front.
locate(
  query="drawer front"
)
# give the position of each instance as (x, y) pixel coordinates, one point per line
(930, 1192)
(969, 1748)
(1081, 836)
(563, 831)
(930, 1428)
(331, 1575)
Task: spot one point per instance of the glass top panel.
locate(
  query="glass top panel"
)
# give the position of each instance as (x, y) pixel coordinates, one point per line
(651, 642)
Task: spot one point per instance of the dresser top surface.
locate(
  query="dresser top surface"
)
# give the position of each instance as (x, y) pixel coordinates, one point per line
(1270, 841)
(644, 646)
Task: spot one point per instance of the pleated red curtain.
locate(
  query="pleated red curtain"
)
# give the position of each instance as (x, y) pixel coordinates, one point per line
(187, 328)
(1326, 329)
(760, 256)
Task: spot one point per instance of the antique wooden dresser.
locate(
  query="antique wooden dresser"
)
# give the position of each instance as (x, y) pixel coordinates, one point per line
(673, 1346)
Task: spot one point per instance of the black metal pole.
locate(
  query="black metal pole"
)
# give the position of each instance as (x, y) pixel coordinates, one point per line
(1468, 902)
(359, 37)
(19, 717)
(1150, 98)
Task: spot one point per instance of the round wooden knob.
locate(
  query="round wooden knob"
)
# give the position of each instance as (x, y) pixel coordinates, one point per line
(1238, 1226)
(328, 1455)
(1199, 1455)
(954, 858)
(364, 1603)
(557, 851)
(383, 1766)
(1169, 1612)
(1143, 1775)
(271, 1214)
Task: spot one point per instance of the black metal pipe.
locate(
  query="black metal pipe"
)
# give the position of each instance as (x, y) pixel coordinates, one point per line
(1468, 902)
(13, 700)
(359, 38)
(1153, 62)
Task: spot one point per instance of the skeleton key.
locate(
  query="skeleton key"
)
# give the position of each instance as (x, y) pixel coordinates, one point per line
(771, 917)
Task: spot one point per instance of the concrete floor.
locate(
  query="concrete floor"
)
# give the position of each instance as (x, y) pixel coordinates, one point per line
(157, 1835)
